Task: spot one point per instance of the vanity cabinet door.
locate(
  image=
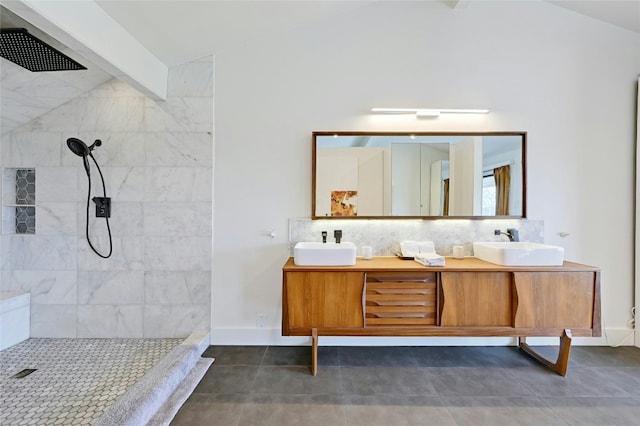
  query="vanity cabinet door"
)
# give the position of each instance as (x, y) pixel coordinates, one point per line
(477, 299)
(555, 299)
(400, 299)
(323, 299)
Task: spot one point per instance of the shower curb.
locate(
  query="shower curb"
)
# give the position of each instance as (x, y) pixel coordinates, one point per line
(153, 392)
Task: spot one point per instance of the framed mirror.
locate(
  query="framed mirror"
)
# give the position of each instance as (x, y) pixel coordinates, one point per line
(420, 175)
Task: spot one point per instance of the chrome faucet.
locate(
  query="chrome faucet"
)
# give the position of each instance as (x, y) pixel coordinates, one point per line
(512, 233)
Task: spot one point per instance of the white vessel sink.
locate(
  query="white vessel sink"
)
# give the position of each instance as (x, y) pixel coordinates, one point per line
(324, 254)
(519, 253)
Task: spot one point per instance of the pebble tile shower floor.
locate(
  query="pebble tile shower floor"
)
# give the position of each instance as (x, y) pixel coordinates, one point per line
(75, 379)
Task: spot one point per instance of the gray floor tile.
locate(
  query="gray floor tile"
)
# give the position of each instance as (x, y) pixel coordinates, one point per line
(551, 353)
(228, 379)
(236, 355)
(361, 356)
(475, 381)
(284, 410)
(300, 355)
(297, 380)
(604, 356)
(496, 411)
(597, 410)
(471, 356)
(208, 409)
(287, 355)
(626, 378)
(386, 381)
(385, 410)
(579, 382)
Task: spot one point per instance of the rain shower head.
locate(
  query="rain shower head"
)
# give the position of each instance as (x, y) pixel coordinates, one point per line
(80, 148)
(28, 51)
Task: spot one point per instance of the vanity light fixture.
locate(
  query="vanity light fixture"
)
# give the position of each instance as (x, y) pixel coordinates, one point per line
(427, 112)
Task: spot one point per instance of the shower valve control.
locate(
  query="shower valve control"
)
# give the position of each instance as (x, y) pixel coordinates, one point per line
(103, 206)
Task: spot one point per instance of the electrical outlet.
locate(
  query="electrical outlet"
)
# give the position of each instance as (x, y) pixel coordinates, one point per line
(262, 320)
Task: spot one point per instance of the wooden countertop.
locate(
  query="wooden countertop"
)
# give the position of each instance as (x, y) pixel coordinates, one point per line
(385, 263)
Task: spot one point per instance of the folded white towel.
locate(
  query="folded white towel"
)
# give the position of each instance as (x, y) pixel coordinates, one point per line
(429, 259)
(409, 248)
(412, 248)
(426, 247)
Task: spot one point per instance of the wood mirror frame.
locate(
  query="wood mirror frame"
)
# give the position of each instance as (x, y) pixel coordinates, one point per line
(355, 174)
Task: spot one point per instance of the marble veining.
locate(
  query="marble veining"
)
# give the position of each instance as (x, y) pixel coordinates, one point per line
(54, 320)
(185, 319)
(43, 252)
(111, 114)
(194, 79)
(57, 184)
(123, 183)
(102, 321)
(178, 253)
(384, 236)
(178, 184)
(157, 159)
(126, 220)
(46, 287)
(118, 149)
(110, 287)
(56, 219)
(193, 114)
(128, 254)
(29, 149)
(177, 287)
(179, 149)
(176, 219)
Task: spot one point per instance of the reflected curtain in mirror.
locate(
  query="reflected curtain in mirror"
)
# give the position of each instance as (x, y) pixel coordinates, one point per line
(502, 176)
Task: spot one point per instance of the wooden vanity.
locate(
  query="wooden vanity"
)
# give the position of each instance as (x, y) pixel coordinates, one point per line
(387, 296)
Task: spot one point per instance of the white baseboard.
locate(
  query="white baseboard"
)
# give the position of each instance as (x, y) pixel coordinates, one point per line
(273, 337)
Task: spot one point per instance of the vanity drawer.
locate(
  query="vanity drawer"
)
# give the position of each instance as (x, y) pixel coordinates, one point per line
(400, 299)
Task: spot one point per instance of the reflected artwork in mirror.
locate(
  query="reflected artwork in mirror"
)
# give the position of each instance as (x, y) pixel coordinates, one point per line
(422, 175)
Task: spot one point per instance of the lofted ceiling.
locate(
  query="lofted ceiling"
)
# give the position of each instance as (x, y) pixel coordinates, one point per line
(177, 31)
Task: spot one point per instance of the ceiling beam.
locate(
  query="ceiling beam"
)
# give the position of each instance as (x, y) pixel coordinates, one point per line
(88, 30)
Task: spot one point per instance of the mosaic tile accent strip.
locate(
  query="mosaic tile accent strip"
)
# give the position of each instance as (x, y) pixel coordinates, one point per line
(25, 220)
(25, 195)
(25, 186)
(75, 379)
(385, 235)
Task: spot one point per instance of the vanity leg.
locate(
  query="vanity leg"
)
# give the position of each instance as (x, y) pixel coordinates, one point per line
(562, 363)
(314, 351)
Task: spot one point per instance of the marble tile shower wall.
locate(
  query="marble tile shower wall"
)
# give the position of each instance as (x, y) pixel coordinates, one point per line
(157, 159)
(384, 236)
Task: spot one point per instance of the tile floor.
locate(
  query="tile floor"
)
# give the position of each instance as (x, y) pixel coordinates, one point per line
(75, 379)
(258, 385)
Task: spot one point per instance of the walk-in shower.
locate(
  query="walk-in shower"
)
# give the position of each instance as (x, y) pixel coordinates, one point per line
(103, 204)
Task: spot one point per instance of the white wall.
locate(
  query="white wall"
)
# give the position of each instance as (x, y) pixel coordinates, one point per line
(637, 247)
(566, 79)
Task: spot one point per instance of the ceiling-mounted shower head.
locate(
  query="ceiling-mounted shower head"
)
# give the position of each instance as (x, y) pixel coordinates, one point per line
(28, 51)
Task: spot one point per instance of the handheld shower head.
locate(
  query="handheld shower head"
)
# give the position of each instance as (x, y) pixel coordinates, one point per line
(81, 149)
(78, 147)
